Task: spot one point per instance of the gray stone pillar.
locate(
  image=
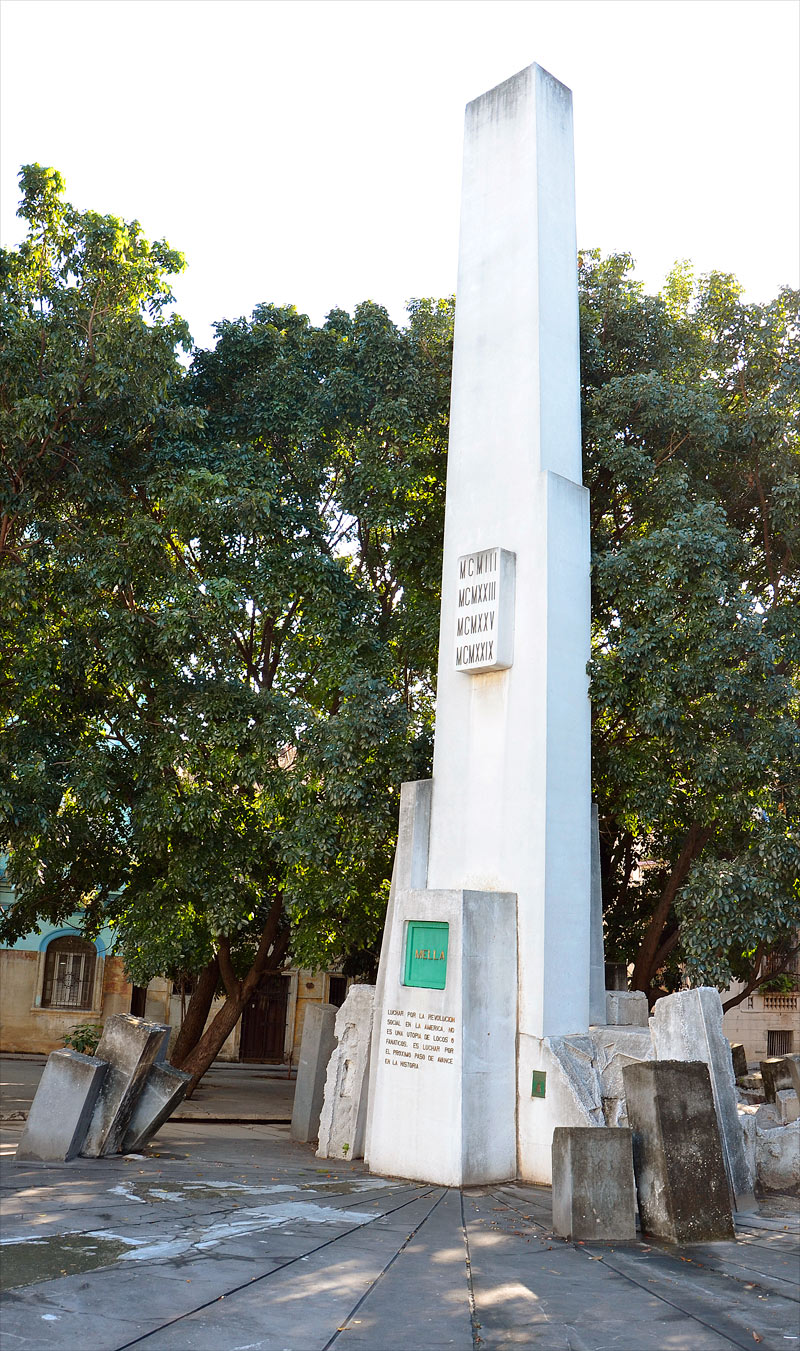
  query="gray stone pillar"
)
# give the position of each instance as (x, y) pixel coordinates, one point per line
(594, 1196)
(688, 1026)
(677, 1156)
(164, 1088)
(130, 1045)
(316, 1050)
(62, 1108)
(344, 1110)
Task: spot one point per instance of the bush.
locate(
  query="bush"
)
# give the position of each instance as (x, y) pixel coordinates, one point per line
(84, 1037)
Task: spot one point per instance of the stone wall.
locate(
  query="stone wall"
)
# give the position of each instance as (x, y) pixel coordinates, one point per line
(26, 1027)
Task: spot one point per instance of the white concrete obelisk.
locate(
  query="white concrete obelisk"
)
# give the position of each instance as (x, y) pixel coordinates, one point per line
(510, 810)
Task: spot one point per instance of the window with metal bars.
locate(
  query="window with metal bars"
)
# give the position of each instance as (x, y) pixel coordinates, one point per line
(68, 974)
(779, 1043)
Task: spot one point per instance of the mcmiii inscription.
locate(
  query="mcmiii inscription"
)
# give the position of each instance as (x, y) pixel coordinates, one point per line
(484, 638)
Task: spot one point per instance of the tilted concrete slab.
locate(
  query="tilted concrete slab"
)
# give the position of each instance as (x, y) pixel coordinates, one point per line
(688, 1026)
(316, 1049)
(61, 1111)
(130, 1046)
(164, 1088)
(680, 1175)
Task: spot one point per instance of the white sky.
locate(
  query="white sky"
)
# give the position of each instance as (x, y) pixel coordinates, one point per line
(309, 151)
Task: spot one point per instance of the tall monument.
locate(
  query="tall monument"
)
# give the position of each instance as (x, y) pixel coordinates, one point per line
(486, 952)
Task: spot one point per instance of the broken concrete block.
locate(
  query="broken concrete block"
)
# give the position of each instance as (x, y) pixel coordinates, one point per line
(778, 1158)
(616, 976)
(738, 1060)
(316, 1050)
(688, 1026)
(615, 1047)
(163, 1089)
(775, 1074)
(62, 1108)
(677, 1155)
(594, 1195)
(343, 1118)
(130, 1046)
(626, 1008)
(161, 1053)
(788, 1105)
(792, 1063)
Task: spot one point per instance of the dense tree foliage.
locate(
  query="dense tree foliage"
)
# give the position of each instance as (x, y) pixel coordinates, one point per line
(219, 604)
(221, 621)
(691, 413)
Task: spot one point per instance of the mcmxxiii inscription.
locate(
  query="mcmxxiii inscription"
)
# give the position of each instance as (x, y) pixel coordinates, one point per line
(485, 611)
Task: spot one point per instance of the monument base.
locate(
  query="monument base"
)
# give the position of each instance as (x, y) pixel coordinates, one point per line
(444, 1085)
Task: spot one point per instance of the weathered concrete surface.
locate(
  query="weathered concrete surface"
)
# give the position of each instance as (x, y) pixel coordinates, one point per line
(626, 1008)
(316, 1049)
(616, 976)
(778, 1157)
(614, 1048)
(738, 1059)
(162, 1091)
(773, 1148)
(594, 1195)
(680, 1175)
(130, 1046)
(775, 1074)
(572, 1098)
(688, 1026)
(792, 1063)
(233, 1236)
(344, 1112)
(597, 967)
(445, 1084)
(60, 1113)
(409, 873)
(788, 1105)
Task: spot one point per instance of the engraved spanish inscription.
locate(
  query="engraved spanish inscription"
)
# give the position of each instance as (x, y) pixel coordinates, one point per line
(413, 1040)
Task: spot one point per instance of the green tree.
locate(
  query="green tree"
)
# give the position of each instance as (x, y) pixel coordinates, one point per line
(691, 408)
(221, 669)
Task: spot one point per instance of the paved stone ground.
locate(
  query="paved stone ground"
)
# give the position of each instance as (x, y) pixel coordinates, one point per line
(232, 1238)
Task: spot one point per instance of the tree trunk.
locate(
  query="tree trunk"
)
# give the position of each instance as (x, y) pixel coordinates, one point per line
(212, 1040)
(238, 994)
(196, 1014)
(645, 968)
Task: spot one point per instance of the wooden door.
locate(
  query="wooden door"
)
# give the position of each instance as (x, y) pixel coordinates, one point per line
(264, 1020)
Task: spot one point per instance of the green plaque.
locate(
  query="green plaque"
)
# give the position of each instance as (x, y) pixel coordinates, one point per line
(538, 1083)
(426, 954)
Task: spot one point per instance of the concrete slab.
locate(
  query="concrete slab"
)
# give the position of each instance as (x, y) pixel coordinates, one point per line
(62, 1109)
(677, 1155)
(687, 1026)
(161, 1092)
(130, 1046)
(316, 1049)
(594, 1195)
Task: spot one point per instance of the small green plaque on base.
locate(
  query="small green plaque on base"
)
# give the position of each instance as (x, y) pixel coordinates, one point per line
(538, 1084)
(426, 954)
